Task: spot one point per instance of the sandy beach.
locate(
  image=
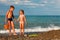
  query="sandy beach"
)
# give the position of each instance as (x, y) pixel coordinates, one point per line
(51, 35)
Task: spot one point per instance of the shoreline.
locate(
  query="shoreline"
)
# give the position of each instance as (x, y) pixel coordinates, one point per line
(50, 35)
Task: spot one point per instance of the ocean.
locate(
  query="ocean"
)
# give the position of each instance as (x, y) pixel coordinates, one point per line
(35, 23)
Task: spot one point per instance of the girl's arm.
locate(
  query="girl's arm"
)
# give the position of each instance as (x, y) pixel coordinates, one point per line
(25, 19)
(18, 19)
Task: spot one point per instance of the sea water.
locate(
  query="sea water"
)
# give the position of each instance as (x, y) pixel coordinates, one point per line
(35, 23)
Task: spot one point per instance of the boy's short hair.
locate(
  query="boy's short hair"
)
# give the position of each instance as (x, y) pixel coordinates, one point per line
(12, 6)
(22, 11)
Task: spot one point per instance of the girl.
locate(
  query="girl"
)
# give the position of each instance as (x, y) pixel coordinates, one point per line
(22, 20)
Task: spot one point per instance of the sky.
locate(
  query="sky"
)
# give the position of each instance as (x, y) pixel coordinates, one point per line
(31, 7)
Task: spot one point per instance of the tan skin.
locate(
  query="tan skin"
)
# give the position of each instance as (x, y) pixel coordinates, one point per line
(10, 23)
(22, 19)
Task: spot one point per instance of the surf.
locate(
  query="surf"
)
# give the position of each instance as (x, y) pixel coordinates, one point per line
(35, 29)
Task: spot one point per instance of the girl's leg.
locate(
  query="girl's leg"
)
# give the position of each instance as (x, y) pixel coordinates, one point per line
(9, 23)
(12, 24)
(22, 29)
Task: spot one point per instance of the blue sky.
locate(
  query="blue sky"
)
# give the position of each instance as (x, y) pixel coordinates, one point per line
(32, 7)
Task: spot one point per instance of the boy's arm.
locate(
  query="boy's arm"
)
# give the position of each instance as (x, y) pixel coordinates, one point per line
(13, 16)
(6, 17)
(7, 14)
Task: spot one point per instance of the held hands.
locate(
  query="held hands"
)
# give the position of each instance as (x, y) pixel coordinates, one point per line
(16, 20)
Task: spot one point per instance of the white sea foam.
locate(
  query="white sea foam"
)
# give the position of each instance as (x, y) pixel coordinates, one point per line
(35, 29)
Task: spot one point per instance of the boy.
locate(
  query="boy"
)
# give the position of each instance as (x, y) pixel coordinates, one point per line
(22, 20)
(10, 17)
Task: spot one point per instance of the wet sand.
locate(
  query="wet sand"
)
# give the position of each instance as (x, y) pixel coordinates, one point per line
(51, 35)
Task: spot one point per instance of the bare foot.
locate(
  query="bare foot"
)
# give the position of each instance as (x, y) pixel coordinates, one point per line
(10, 34)
(25, 35)
(14, 34)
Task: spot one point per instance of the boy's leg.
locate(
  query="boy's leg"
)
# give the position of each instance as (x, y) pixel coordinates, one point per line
(12, 24)
(9, 23)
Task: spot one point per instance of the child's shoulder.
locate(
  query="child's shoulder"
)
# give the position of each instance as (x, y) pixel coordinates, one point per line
(22, 15)
(8, 11)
